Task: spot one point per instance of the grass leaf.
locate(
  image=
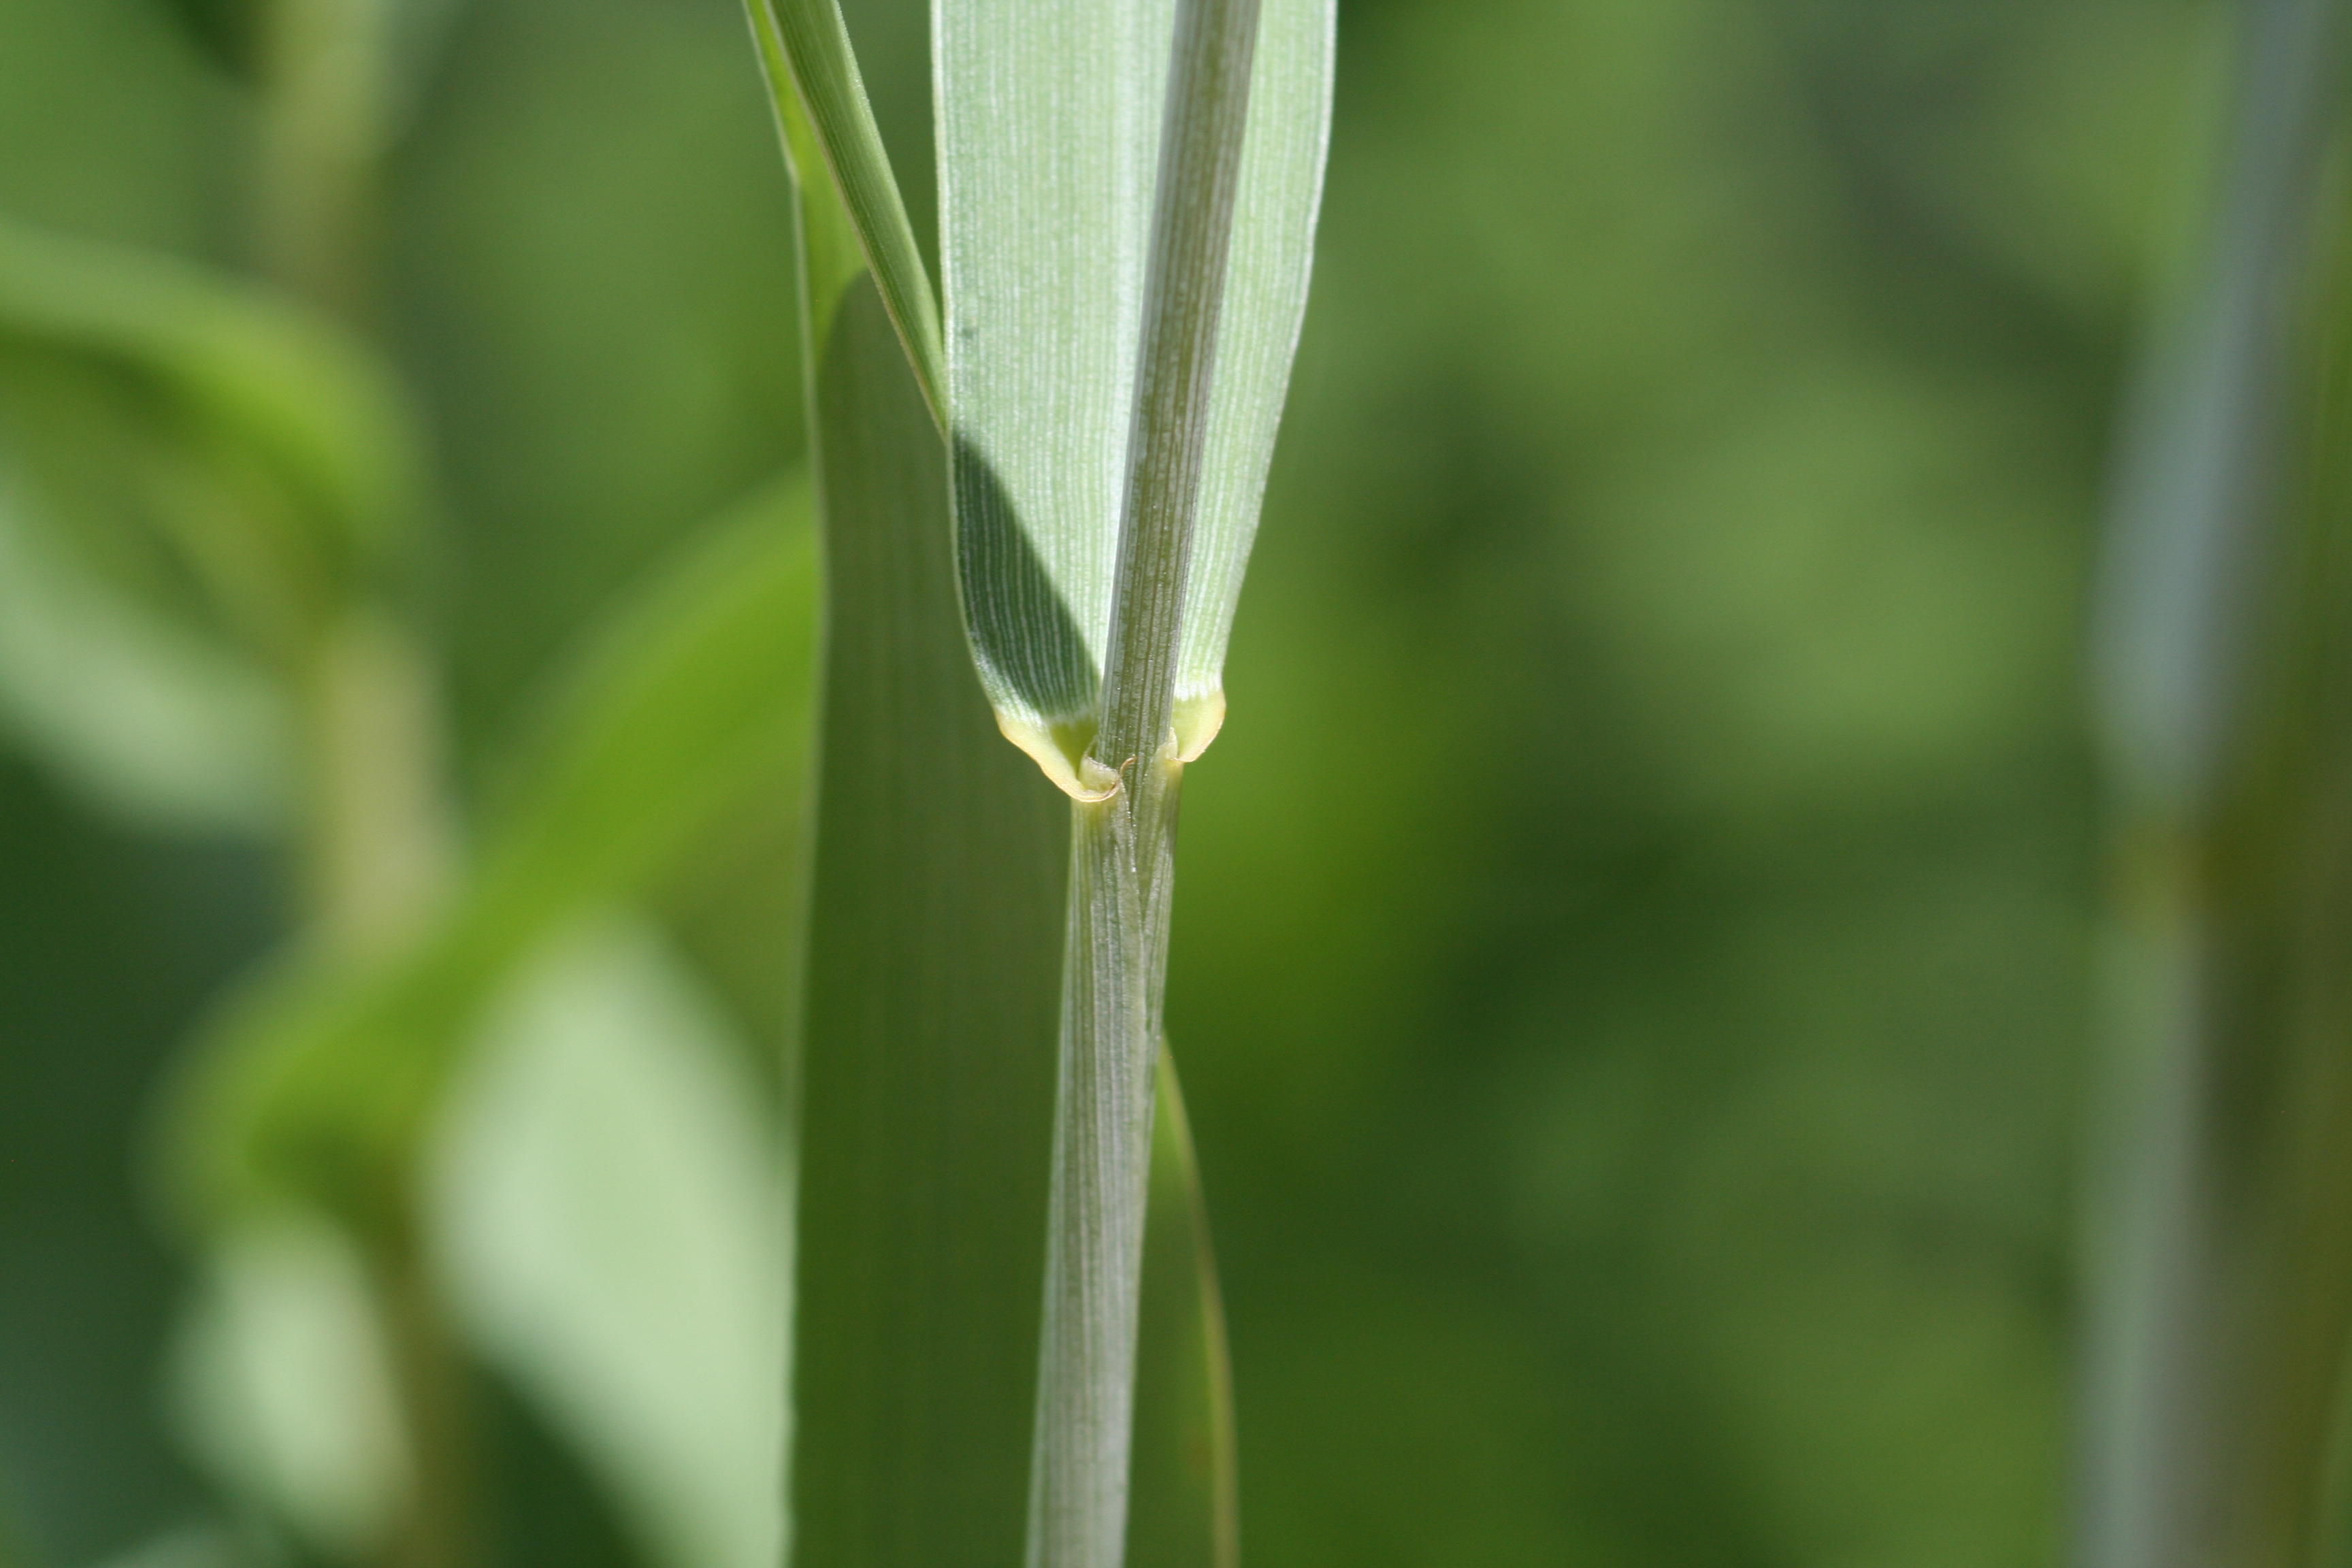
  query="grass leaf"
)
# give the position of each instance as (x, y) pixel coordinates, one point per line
(926, 1071)
(927, 1068)
(1182, 1510)
(1050, 124)
(812, 77)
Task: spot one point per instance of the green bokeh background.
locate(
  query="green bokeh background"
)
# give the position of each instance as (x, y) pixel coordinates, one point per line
(1634, 936)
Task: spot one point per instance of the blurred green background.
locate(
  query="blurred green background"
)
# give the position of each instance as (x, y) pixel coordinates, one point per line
(1635, 936)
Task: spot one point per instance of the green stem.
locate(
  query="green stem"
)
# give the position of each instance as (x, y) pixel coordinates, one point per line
(2223, 1283)
(379, 849)
(1121, 862)
(436, 1528)
(378, 845)
(327, 74)
(1123, 848)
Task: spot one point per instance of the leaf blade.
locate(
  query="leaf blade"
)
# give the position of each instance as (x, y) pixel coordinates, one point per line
(926, 1075)
(1183, 1508)
(810, 41)
(1048, 124)
(925, 1071)
(1278, 203)
(1049, 119)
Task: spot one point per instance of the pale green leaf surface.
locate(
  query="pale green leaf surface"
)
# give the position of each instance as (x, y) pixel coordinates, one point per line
(320, 1078)
(810, 41)
(1049, 121)
(1276, 205)
(129, 709)
(606, 1206)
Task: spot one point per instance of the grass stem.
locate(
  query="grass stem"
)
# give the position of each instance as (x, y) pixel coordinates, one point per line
(1123, 848)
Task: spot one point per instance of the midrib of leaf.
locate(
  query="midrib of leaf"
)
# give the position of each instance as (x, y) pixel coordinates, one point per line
(1201, 151)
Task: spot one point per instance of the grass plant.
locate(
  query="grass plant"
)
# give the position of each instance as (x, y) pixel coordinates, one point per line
(1080, 468)
(1615, 1184)
(988, 1223)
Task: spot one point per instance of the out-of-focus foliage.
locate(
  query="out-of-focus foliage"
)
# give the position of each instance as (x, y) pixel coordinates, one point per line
(195, 473)
(151, 720)
(614, 1232)
(1631, 953)
(286, 1390)
(689, 701)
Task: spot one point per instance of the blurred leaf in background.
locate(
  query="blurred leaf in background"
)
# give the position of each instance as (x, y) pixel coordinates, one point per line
(151, 722)
(287, 1390)
(613, 1223)
(1636, 1092)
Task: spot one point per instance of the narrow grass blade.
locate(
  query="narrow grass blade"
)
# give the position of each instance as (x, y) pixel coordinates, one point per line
(831, 256)
(2222, 1278)
(316, 1082)
(1050, 121)
(926, 1077)
(812, 76)
(927, 1072)
(1182, 1511)
(1277, 201)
